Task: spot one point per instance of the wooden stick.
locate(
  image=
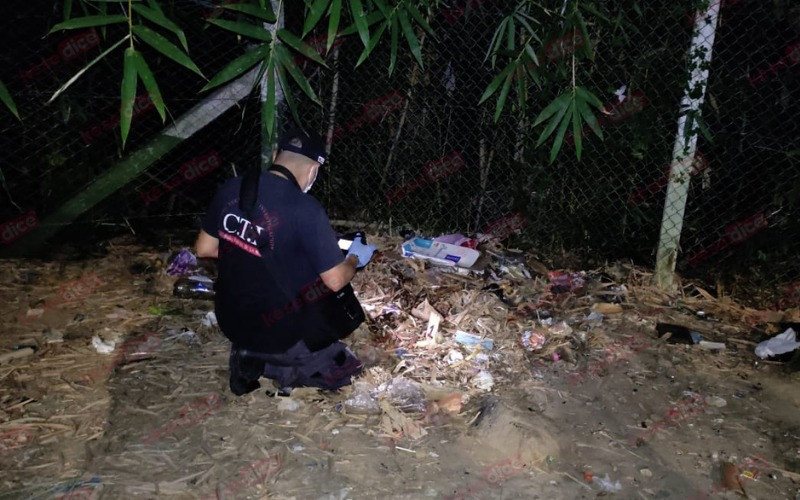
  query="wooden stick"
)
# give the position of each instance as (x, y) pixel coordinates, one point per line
(19, 353)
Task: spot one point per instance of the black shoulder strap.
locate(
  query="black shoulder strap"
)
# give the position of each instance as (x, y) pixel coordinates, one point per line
(248, 194)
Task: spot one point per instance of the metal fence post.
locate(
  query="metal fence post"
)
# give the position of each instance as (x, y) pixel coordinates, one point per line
(685, 147)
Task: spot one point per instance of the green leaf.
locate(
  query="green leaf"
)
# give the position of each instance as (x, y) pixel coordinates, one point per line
(589, 97)
(157, 17)
(316, 11)
(360, 21)
(588, 116)
(372, 18)
(154, 5)
(394, 35)
(149, 81)
(383, 8)
(265, 13)
(245, 29)
(576, 130)
(587, 42)
(5, 96)
(495, 84)
(89, 21)
(268, 111)
(239, 66)
(292, 41)
(560, 106)
(501, 101)
(83, 70)
(531, 52)
(562, 130)
(128, 93)
(373, 42)
(333, 22)
(67, 9)
(704, 130)
(497, 40)
(166, 47)
(285, 59)
(287, 92)
(417, 15)
(411, 37)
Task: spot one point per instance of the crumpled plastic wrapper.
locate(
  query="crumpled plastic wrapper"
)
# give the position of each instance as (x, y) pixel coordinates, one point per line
(404, 394)
(103, 347)
(361, 401)
(183, 263)
(779, 344)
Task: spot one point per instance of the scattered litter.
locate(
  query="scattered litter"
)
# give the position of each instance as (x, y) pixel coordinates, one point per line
(562, 329)
(779, 344)
(606, 484)
(183, 263)
(289, 404)
(607, 308)
(361, 401)
(563, 282)
(194, 287)
(483, 380)
(210, 319)
(404, 394)
(103, 347)
(53, 336)
(457, 240)
(440, 253)
(532, 341)
(469, 339)
(646, 472)
(716, 401)
(712, 346)
(454, 357)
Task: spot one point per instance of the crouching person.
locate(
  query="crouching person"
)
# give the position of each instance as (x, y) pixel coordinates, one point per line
(283, 296)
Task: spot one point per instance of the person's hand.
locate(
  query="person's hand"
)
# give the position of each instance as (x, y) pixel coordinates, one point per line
(362, 251)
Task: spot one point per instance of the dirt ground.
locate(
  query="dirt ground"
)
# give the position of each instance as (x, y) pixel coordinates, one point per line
(606, 400)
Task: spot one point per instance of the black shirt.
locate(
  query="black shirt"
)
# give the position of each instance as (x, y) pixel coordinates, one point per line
(257, 309)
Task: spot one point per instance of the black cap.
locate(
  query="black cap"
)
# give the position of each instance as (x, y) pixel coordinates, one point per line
(309, 145)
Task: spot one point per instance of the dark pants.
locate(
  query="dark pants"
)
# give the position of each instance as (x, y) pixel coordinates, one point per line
(328, 368)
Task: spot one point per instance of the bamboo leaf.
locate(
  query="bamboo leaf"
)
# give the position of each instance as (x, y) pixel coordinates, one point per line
(5, 96)
(496, 41)
(160, 19)
(245, 29)
(495, 84)
(285, 59)
(372, 18)
(560, 111)
(589, 117)
(587, 42)
(316, 11)
(501, 101)
(417, 15)
(264, 13)
(395, 33)
(531, 52)
(589, 97)
(268, 111)
(166, 47)
(373, 42)
(83, 70)
(155, 6)
(239, 66)
(292, 41)
(562, 130)
(149, 81)
(287, 92)
(383, 8)
(360, 21)
(577, 131)
(128, 91)
(704, 130)
(335, 14)
(558, 104)
(67, 9)
(88, 22)
(411, 37)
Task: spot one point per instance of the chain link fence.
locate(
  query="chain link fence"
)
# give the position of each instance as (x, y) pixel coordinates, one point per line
(415, 149)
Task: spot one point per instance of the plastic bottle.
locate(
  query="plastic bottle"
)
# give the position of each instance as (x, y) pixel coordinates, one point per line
(194, 287)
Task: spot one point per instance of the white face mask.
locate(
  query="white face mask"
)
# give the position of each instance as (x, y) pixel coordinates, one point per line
(311, 182)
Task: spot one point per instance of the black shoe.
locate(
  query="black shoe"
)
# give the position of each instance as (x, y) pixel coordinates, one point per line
(244, 373)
